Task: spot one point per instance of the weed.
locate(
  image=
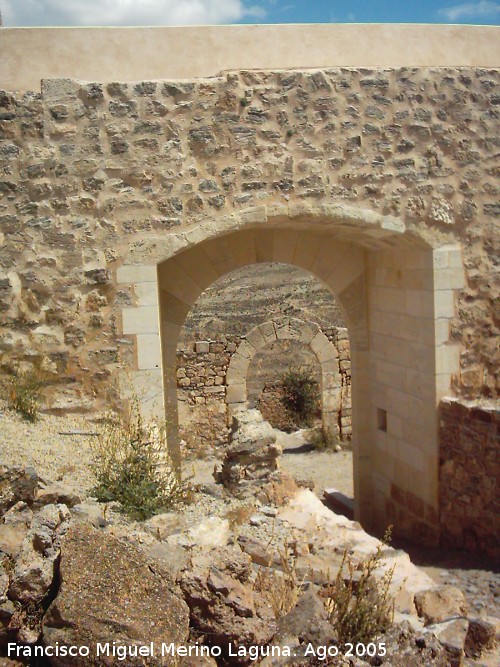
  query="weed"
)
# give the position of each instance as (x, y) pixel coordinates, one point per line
(239, 515)
(323, 441)
(358, 604)
(131, 466)
(25, 389)
(281, 588)
(300, 395)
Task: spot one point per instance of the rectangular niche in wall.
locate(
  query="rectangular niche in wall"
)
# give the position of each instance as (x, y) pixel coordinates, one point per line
(382, 420)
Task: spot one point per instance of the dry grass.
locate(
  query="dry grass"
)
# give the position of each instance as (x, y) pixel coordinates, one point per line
(280, 587)
(24, 389)
(359, 605)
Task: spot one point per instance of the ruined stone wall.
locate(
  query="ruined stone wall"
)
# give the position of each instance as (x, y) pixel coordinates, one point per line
(201, 391)
(469, 476)
(201, 388)
(92, 173)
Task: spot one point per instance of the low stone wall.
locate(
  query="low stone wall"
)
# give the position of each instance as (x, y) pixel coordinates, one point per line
(201, 387)
(201, 390)
(469, 463)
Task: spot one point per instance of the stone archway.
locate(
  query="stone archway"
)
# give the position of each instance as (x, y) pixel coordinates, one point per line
(288, 328)
(397, 297)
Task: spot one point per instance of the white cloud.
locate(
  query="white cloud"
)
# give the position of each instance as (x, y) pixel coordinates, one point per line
(125, 12)
(471, 10)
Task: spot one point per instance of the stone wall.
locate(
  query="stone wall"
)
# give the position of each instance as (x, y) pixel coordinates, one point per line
(86, 170)
(201, 391)
(469, 469)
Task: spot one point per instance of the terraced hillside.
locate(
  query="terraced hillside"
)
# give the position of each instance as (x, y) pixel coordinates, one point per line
(251, 295)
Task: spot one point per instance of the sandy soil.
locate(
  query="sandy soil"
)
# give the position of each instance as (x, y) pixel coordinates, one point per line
(55, 456)
(325, 469)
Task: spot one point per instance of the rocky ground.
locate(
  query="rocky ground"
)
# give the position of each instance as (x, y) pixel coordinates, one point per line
(234, 530)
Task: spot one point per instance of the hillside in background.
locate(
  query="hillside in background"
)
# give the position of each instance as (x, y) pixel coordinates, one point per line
(249, 296)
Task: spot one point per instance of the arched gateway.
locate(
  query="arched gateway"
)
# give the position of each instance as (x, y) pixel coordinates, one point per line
(396, 293)
(310, 335)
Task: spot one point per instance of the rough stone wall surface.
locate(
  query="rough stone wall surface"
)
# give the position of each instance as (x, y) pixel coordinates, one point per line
(89, 171)
(469, 473)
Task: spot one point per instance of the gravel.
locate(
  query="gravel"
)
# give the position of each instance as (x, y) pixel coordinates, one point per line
(65, 458)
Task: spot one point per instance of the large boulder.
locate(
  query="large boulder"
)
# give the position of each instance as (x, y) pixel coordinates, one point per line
(35, 566)
(306, 624)
(53, 493)
(17, 483)
(111, 592)
(451, 635)
(34, 576)
(223, 604)
(14, 527)
(482, 636)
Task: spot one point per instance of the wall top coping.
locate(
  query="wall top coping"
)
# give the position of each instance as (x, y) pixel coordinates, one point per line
(28, 55)
(490, 406)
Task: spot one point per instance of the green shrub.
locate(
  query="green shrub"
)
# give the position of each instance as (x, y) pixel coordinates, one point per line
(359, 605)
(300, 396)
(132, 467)
(24, 390)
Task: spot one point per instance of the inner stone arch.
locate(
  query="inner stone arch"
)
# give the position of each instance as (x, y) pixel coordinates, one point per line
(288, 328)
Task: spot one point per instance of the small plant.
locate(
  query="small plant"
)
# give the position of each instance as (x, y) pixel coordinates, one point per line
(323, 441)
(239, 515)
(300, 396)
(25, 389)
(360, 606)
(281, 588)
(132, 467)
(243, 102)
(289, 133)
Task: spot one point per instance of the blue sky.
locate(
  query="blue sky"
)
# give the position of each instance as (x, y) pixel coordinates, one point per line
(383, 11)
(199, 12)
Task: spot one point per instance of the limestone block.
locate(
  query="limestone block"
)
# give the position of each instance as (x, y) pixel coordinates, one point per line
(256, 338)
(331, 381)
(239, 364)
(198, 266)
(245, 349)
(236, 393)
(306, 250)
(323, 348)
(148, 351)
(142, 319)
(284, 246)
(136, 273)
(331, 400)
(237, 375)
(254, 214)
(243, 247)
(448, 359)
(444, 304)
(174, 279)
(147, 293)
(202, 347)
